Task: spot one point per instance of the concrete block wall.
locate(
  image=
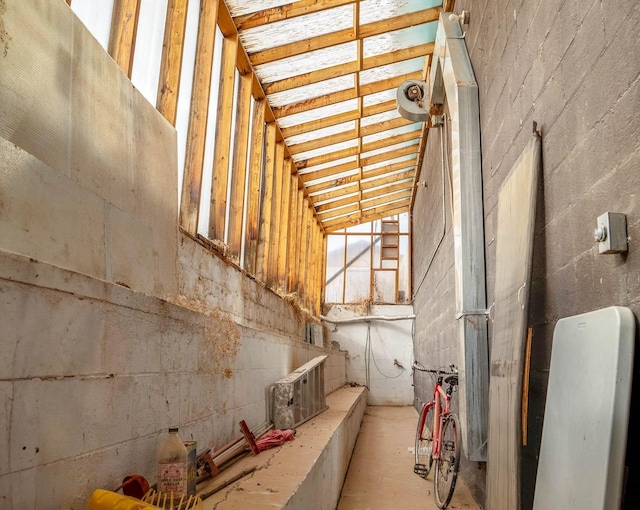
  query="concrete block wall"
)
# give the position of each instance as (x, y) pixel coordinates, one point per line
(114, 325)
(372, 349)
(572, 67)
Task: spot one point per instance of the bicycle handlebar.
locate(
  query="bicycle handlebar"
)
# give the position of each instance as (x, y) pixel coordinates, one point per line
(443, 370)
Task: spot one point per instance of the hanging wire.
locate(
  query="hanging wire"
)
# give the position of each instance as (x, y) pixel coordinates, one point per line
(368, 356)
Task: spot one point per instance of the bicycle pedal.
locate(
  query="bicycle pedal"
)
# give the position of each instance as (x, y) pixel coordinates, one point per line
(420, 469)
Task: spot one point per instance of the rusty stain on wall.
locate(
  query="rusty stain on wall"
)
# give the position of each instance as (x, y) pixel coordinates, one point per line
(4, 35)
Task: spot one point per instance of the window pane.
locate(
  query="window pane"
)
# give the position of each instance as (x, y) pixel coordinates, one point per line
(384, 286)
(358, 268)
(404, 296)
(147, 56)
(335, 269)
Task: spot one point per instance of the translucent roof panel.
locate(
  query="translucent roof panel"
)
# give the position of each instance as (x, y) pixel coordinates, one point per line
(390, 70)
(400, 39)
(321, 133)
(307, 62)
(242, 7)
(393, 132)
(324, 150)
(379, 97)
(378, 10)
(330, 72)
(399, 159)
(389, 148)
(296, 29)
(310, 116)
(311, 91)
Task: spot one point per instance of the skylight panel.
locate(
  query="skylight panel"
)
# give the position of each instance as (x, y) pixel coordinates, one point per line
(307, 62)
(317, 113)
(242, 7)
(400, 39)
(311, 91)
(296, 29)
(320, 133)
(391, 70)
(378, 10)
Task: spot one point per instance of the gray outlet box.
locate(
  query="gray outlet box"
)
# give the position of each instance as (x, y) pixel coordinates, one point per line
(611, 233)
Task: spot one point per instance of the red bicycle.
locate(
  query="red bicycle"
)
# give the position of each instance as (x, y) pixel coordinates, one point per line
(437, 436)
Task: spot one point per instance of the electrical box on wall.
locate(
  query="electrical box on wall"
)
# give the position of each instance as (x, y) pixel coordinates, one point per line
(611, 233)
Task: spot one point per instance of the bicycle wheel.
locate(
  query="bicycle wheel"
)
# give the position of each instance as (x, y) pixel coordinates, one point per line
(448, 464)
(424, 442)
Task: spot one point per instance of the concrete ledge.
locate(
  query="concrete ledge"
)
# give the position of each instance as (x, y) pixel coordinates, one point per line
(306, 472)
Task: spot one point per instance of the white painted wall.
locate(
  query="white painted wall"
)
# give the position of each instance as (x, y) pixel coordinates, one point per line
(373, 347)
(113, 326)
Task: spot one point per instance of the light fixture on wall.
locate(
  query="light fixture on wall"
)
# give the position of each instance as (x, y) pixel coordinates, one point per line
(463, 17)
(412, 100)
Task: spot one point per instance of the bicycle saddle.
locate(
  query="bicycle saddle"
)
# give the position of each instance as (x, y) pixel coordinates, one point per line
(452, 380)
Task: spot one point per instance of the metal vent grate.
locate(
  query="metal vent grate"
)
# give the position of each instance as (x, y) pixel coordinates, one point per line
(299, 396)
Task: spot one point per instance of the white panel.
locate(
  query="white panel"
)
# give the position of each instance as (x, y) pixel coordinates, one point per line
(587, 412)
(96, 16)
(145, 73)
(514, 249)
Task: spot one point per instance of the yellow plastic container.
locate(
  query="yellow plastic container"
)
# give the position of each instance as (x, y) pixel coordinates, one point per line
(107, 500)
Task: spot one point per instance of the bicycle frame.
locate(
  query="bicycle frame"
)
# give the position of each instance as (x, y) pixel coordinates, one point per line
(437, 443)
(441, 411)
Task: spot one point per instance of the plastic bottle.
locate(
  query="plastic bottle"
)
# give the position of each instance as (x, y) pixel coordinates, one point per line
(171, 468)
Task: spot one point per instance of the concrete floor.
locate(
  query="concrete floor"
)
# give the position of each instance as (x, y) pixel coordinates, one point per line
(381, 476)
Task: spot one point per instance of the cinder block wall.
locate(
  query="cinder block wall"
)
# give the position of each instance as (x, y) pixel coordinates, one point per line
(114, 326)
(574, 68)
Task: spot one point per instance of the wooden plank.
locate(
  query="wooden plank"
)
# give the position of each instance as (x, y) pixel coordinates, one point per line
(386, 125)
(328, 172)
(326, 158)
(315, 269)
(171, 62)
(293, 232)
(285, 212)
(366, 217)
(514, 247)
(386, 156)
(222, 151)
(323, 142)
(241, 151)
(276, 211)
(197, 128)
(266, 203)
(320, 123)
(334, 120)
(305, 46)
(347, 68)
(122, 37)
(358, 133)
(344, 95)
(413, 135)
(323, 272)
(391, 183)
(400, 22)
(286, 11)
(299, 241)
(525, 386)
(252, 230)
(402, 194)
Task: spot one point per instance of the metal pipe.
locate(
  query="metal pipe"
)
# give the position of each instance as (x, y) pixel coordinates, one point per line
(368, 318)
(452, 78)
